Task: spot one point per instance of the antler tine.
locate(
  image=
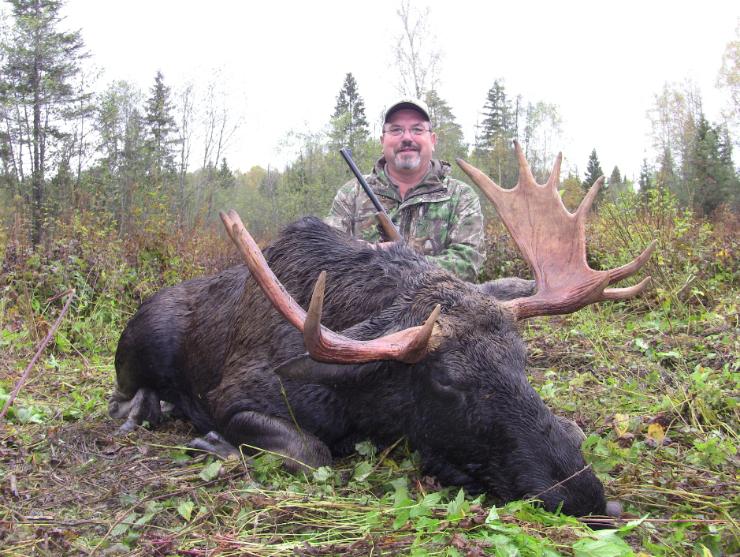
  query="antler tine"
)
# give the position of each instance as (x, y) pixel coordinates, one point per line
(525, 172)
(491, 189)
(626, 293)
(409, 345)
(228, 223)
(261, 271)
(312, 326)
(554, 178)
(629, 269)
(585, 207)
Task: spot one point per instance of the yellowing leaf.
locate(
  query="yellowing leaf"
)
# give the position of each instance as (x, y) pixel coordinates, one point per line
(656, 433)
(185, 509)
(621, 424)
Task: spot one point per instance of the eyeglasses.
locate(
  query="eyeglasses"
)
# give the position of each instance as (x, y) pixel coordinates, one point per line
(398, 131)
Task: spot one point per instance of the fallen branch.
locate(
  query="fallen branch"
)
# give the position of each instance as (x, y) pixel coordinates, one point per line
(70, 296)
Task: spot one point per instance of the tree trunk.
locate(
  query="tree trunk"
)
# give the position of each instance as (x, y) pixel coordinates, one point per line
(38, 163)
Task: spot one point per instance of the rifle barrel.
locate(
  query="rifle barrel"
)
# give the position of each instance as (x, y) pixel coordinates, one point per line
(393, 232)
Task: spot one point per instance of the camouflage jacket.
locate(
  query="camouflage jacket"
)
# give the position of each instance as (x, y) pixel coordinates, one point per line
(441, 217)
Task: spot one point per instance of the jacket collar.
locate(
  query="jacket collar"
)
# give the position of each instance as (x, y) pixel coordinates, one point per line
(434, 181)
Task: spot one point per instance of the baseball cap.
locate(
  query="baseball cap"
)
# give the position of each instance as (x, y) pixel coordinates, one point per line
(408, 102)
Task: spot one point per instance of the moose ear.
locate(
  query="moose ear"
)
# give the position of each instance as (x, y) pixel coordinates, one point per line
(572, 430)
(508, 288)
(304, 368)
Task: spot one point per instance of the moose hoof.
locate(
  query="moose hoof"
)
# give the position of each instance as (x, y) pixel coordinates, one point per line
(128, 426)
(212, 442)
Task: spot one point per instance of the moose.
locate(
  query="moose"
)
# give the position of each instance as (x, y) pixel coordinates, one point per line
(390, 346)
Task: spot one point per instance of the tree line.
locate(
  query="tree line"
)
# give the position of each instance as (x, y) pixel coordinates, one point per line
(130, 155)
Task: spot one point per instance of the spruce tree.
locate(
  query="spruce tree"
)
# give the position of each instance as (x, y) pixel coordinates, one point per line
(41, 65)
(616, 185)
(450, 143)
(225, 177)
(665, 178)
(497, 118)
(593, 171)
(712, 178)
(349, 123)
(615, 179)
(493, 151)
(160, 127)
(646, 180)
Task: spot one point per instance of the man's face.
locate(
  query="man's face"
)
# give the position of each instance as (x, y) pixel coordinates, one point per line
(408, 151)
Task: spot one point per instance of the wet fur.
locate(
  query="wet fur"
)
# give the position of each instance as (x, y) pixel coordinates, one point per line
(212, 346)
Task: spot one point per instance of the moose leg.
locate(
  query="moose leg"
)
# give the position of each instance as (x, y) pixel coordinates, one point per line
(300, 448)
(143, 406)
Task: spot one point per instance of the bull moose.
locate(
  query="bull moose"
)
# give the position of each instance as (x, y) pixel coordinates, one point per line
(419, 352)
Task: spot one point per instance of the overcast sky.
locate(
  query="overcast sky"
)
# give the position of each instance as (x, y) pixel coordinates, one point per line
(283, 63)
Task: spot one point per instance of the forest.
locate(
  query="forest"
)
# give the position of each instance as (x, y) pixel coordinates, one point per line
(109, 193)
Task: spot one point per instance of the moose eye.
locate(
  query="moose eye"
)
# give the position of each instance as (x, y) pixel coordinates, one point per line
(443, 385)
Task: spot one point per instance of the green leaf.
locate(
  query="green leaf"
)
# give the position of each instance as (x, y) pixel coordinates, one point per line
(607, 546)
(123, 526)
(62, 342)
(323, 474)
(456, 508)
(362, 471)
(631, 525)
(366, 448)
(185, 509)
(210, 471)
(492, 515)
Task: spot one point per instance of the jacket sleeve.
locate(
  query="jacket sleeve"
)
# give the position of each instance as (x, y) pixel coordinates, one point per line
(465, 251)
(342, 213)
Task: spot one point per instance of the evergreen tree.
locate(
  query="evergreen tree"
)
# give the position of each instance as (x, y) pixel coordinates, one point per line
(40, 96)
(666, 179)
(161, 127)
(450, 142)
(646, 180)
(225, 177)
(593, 171)
(497, 118)
(493, 152)
(615, 179)
(349, 123)
(711, 179)
(616, 184)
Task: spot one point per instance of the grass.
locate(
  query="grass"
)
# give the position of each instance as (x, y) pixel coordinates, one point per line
(658, 400)
(653, 382)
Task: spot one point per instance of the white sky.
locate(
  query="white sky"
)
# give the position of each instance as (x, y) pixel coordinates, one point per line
(283, 62)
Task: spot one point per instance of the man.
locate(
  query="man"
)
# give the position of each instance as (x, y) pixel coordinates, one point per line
(437, 215)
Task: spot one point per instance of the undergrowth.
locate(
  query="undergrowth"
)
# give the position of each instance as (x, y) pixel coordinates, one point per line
(652, 381)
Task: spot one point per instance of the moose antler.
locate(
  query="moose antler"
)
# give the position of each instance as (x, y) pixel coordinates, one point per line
(553, 242)
(409, 345)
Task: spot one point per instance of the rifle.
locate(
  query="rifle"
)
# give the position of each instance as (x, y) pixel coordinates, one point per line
(389, 229)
